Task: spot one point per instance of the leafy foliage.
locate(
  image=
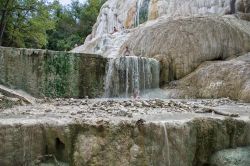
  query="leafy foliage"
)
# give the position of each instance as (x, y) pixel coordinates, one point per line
(74, 23)
(43, 24)
(24, 22)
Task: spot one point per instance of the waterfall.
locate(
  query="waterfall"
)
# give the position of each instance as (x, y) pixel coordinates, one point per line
(142, 10)
(125, 75)
(138, 7)
(166, 145)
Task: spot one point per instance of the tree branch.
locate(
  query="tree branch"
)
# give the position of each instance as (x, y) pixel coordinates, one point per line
(211, 110)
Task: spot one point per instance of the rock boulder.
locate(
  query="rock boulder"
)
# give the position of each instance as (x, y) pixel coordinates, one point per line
(232, 157)
(219, 79)
(182, 44)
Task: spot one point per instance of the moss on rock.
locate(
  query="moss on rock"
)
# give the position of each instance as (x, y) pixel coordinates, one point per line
(52, 74)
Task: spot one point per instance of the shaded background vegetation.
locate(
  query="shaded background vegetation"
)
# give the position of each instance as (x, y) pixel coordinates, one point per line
(45, 24)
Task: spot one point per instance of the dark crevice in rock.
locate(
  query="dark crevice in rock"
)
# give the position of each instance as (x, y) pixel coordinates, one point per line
(232, 7)
(46, 149)
(60, 147)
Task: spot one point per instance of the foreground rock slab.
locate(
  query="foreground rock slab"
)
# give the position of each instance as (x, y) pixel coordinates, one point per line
(120, 132)
(232, 157)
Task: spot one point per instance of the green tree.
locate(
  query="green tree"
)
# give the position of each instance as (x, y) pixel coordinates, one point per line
(24, 22)
(67, 31)
(74, 23)
(40, 24)
(5, 9)
(89, 15)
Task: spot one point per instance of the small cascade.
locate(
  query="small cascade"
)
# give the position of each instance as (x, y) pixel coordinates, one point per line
(127, 75)
(138, 7)
(166, 146)
(142, 10)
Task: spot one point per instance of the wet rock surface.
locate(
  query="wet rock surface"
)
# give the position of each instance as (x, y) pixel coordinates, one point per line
(232, 81)
(200, 39)
(110, 132)
(206, 31)
(231, 157)
(9, 102)
(10, 98)
(52, 73)
(121, 131)
(131, 13)
(112, 108)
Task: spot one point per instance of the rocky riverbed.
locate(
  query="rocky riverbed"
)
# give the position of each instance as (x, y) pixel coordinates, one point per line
(121, 131)
(114, 110)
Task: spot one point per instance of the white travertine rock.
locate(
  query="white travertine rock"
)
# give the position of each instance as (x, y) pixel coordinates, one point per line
(107, 45)
(127, 14)
(219, 79)
(130, 13)
(182, 44)
(181, 34)
(231, 157)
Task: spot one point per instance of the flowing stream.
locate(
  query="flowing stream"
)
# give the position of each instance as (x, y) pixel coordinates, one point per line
(127, 75)
(166, 146)
(142, 9)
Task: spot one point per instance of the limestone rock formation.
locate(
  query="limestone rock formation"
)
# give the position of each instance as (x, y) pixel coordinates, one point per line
(130, 13)
(80, 132)
(127, 14)
(232, 157)
(107, 45)
(219, 79)
(10, 98)
(181, 44)
(181, 34)
(17, 94)
(8, 102)
(51, 73)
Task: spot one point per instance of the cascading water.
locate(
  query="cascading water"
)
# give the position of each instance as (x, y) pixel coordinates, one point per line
(166, 146)
(138, 7)
(142, 8)
(126, 75)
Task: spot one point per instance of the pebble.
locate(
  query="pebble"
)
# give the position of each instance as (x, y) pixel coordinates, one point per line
(73, 113)
(145, 104)
(137, 104)
(48, 110)
(126, 108)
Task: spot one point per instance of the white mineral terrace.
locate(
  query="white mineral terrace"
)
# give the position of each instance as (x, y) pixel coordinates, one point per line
(94, 111)
(153, 52)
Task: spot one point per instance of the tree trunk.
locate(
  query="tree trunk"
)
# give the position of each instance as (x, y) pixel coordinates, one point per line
(3, 21)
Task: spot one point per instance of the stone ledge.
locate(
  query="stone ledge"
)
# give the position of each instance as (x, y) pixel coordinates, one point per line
(52, 73)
